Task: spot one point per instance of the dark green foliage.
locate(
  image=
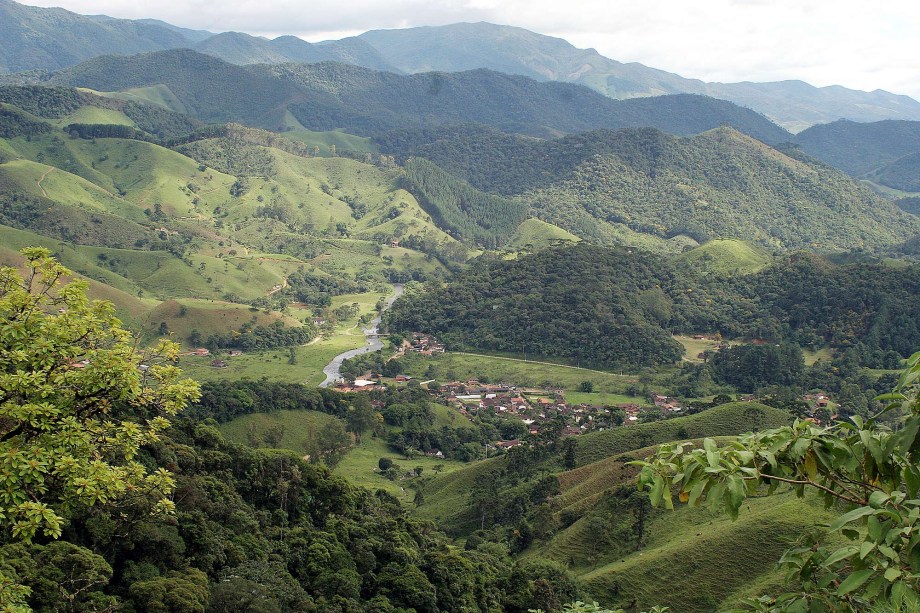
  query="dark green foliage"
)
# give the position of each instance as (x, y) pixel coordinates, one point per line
(911, 205)
(902, 174)
(97, 130)
(210, 89)
(329, 96)
(574, 303)
(859, 148)
(262, 337)
(48, 102)
(57, 102)
(618, 307)
(14, 123)
(227, 400)
(751, 367)
(468, 214)
(262, 530)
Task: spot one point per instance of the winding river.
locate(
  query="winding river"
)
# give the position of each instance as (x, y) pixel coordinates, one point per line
(333, 369)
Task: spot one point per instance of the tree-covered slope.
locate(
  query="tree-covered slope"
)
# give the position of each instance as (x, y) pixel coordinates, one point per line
(619, 307)
(646, 188)
(859, 148)
(328, 96)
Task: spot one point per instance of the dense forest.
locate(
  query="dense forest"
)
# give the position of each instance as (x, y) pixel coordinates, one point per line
(468, 214)
(619, 307)
(647, 188)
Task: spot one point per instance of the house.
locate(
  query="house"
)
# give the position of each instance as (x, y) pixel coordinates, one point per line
(201, 352)
(403, 378)
(435, 453)
(364, 383)
(219, 364)
(508, 444)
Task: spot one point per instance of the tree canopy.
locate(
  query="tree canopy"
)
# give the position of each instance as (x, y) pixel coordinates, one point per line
(77, 401)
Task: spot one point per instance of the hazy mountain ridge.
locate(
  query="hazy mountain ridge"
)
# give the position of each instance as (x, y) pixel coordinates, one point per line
(328, 96)
(792, 104)
(49, 39)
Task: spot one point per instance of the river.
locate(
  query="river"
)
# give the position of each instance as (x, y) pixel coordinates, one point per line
(333, 369)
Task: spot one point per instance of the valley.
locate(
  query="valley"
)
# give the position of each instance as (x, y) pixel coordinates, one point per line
(387, 325)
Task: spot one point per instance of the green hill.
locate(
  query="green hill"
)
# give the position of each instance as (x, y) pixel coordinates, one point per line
(648, 189)
(727, 257)
(625, 317)
(860, 148)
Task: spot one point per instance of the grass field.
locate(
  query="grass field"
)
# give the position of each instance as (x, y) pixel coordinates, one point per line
(299, 429)
(539, 235)
(515, 371)
(727, 256)
(680, 566)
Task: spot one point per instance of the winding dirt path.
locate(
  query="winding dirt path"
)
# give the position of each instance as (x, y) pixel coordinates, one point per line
(42, 178)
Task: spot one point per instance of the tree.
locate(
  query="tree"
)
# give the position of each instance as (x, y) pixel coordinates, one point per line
(587, 386)
(77, 401)
(871, 469)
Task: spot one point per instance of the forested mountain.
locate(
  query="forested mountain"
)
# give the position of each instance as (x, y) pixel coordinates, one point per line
(240, 48)
(52, 38)
(644, 187)
(465, 46)
(619, 307)
(860, 148)
(330, 96)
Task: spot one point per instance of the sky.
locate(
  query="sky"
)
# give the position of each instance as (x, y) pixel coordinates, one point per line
(859, 44)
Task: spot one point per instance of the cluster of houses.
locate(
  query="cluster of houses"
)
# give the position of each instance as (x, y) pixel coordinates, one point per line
(534, 407)
(424, 344)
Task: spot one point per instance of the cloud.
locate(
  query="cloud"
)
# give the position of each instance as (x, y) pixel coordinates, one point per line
(847, 42)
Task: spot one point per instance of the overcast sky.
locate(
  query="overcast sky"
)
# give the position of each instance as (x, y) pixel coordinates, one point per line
(859, 44)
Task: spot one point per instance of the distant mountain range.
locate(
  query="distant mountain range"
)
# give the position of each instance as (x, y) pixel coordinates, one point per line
(328, 96)
(50, 39)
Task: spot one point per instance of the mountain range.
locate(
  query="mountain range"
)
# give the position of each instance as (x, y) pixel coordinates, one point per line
(34, 38)
(331, 95)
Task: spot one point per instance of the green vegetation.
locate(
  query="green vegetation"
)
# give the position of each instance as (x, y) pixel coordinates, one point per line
(656, 191)
(365, 102)
(626, 317)
(474, 217)
(865, 466)
(727, 257)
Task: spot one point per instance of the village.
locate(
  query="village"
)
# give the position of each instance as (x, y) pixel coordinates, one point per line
(538, 407)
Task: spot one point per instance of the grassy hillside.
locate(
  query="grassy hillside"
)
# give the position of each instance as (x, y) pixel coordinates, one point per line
(448, 497)
(680, 567)
(727, 257)
(299, 429)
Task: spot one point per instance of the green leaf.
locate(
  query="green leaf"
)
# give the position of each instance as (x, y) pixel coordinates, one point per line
(854, 581)
(853, 515)
(841, 554)
(892, 574)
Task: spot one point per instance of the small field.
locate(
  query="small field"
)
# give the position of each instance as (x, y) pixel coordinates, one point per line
(360, 464)
(299, 429)
(464, 366)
